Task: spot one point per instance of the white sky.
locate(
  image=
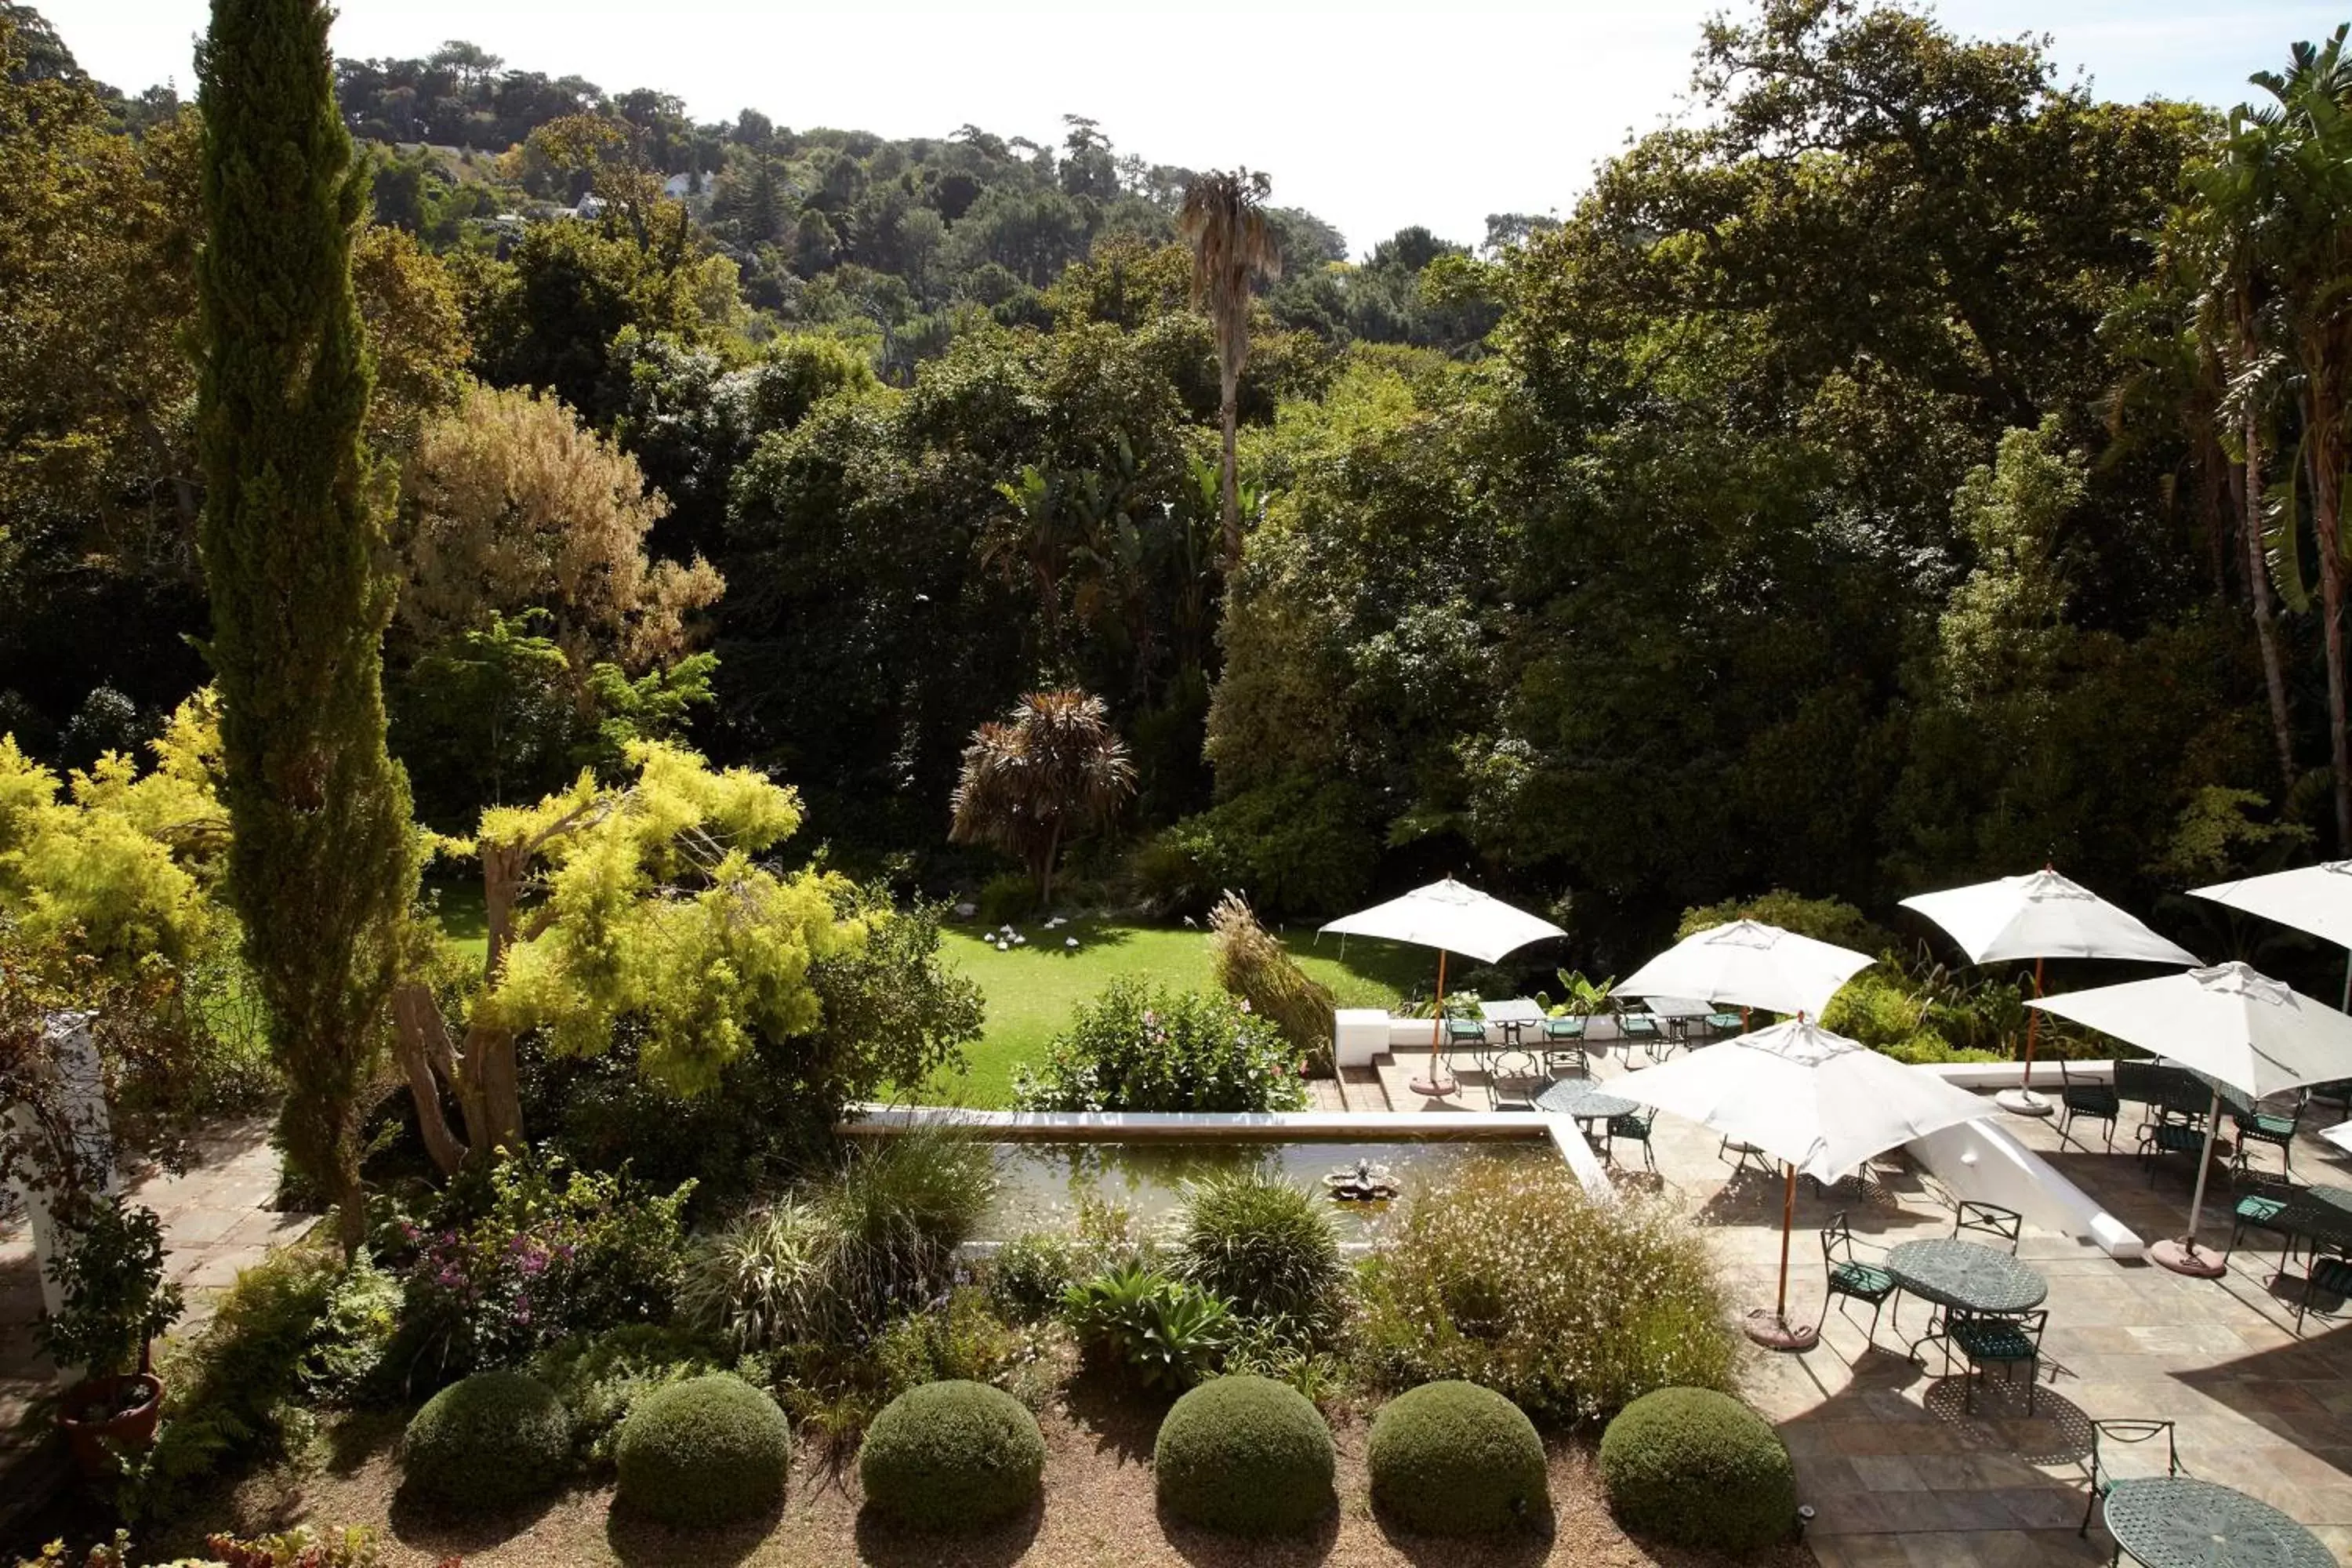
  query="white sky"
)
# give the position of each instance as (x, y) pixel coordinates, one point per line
(1373, 116)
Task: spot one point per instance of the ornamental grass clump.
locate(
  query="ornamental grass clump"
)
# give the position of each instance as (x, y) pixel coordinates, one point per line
(1265, 1246)
(1511, 1276)
(1252, 964)
(844, 1256)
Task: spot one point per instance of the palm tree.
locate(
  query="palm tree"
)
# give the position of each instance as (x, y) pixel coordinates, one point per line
(2302, 143)
(2214, 243)
(1054, 769)
(1223, 220)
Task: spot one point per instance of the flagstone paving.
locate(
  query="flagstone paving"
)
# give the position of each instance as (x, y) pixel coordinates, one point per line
(217, 1219)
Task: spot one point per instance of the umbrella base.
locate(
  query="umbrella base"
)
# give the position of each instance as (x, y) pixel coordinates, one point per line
(1775, 1332)
(2023, 1103)
(1430, 1087)
(2183, 1256)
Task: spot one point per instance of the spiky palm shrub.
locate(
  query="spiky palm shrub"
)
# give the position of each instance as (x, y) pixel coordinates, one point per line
(1052, 770)
(324, 860)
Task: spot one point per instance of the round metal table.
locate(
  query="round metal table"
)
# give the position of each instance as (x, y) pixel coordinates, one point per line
(1955, 1273)
(2179, 1522)
(1582, 1099)
(1949, 1272)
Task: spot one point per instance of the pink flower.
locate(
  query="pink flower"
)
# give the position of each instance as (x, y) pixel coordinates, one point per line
(1246, 1004)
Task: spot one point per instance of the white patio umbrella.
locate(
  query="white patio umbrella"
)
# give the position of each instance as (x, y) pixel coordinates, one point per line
(2041, 915)
(2315, 898)
(2234, 1026)
(1451, 917)
(1751, 964)
(1818, 1102)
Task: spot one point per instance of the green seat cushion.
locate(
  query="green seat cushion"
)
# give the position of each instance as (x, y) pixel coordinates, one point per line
(1862, 1279)
(2332, 1276)
(1564, 1029)
(2175, 1139)
(1991, 1340)
(2256, 1209)
(2093, 1101)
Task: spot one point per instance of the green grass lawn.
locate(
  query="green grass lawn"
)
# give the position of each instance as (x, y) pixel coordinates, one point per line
(1032, 990)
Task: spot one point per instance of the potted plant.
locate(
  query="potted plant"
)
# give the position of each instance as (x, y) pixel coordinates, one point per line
(111, 1271)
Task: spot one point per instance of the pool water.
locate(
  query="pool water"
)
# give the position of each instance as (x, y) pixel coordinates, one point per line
(1040, 1186)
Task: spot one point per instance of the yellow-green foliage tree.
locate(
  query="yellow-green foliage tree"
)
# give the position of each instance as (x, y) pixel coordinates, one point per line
(642, 901)
(119, 866)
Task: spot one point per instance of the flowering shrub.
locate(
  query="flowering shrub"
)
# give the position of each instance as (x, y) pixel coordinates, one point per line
(1133, 1050)
(1510, 1276)
(553, 1253)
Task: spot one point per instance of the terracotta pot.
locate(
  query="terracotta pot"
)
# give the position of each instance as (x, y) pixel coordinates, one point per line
(106, 1423)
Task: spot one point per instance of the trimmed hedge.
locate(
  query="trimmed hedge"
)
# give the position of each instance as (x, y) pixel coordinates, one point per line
(490, 1441)
(710, 1450)
(1454, 1458)
(1245, 1454)
(951, 1456)
(1698, 1469)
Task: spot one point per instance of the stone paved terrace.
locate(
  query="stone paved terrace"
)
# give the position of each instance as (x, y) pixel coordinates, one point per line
(216, 1220)
(1899, 1472)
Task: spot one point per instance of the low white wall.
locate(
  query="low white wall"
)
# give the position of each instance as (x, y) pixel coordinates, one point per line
(1276, 1126)
(1981, 1160)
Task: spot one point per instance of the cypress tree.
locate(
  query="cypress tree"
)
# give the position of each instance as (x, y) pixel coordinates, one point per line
(323, 863)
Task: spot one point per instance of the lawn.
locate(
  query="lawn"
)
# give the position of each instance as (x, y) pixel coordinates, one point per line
(1031, 989)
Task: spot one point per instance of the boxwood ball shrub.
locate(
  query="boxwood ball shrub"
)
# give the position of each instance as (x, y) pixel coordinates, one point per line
(710, 1450)
(1454, 1458)
(491, 1440)
(1698, 1469)
(951, 1456)
(1245, 1454)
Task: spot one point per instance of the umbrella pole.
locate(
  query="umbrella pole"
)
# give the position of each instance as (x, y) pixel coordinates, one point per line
(1773, 1330)
(2022, 1101)
(2183, 1257)
(1436, 1086)
(2347, 983)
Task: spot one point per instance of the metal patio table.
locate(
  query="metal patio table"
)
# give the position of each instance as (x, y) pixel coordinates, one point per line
(1582, 1100)
(1946, 1271)
(2179, 1522)
(2321, 1214)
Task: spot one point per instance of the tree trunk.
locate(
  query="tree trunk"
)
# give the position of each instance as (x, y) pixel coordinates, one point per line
(2326, 524)
(1229, 477)
(349, 1196)
(2258, 587)
(418, 1024)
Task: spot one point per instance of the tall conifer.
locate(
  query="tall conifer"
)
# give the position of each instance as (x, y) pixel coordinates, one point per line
(324, 860)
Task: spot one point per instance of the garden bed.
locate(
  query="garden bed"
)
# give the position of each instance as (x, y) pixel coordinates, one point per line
(1099, 1509)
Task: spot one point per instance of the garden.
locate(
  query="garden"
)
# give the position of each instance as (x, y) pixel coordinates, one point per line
(543, 1364)
(560, 655)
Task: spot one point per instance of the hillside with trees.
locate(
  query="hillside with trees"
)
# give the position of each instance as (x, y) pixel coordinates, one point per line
(1899, 512)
